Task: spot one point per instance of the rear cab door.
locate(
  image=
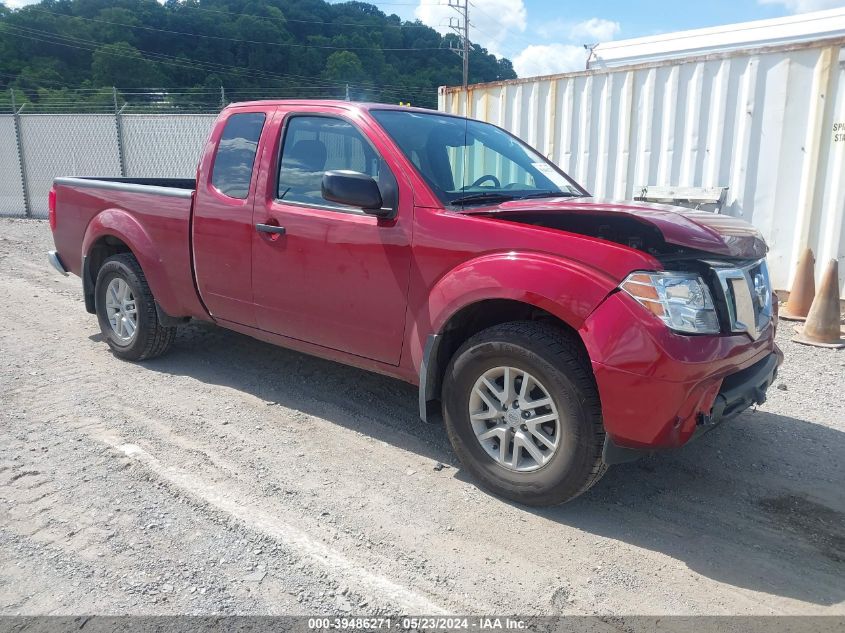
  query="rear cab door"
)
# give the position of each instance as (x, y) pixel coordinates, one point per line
(336, 277)
(222, 226)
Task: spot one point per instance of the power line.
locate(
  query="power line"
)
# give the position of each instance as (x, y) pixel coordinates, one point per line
(88, 45)
(475, 27)
(173, 90)
(296, 21)
(506, 27)
(177, 61)
(50, 81)
(234, 39)
(318, 85)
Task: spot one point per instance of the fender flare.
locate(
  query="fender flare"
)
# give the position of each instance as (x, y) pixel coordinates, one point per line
(123, 226)
(567, 289)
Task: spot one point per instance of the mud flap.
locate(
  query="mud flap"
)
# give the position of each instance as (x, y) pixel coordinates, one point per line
(614, 454)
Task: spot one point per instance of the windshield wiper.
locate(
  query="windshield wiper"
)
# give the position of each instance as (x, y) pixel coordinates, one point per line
(481, 198)
(499, 196)
(549, 194)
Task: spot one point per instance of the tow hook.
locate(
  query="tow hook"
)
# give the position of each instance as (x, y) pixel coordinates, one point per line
(703, 419)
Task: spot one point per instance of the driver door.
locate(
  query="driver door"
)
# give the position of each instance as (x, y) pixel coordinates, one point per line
(336, 276)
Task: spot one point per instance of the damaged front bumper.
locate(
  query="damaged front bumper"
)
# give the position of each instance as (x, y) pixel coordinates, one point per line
(659, 389)
(738, 392)
(741, 390)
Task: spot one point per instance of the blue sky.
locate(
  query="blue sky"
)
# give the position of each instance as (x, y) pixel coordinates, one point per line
(545, 36)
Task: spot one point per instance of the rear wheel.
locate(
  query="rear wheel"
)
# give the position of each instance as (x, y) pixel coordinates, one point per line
(523, 414)
(126, 310)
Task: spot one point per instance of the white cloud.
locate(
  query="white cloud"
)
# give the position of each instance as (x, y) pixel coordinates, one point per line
(587, 32)
(548, 59)
(594, 30)
(492, 22)
(805, 6)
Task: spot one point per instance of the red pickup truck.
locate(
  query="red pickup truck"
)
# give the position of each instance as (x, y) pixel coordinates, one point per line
(555, 333)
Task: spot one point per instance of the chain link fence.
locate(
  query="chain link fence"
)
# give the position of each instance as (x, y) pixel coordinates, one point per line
(36, 148)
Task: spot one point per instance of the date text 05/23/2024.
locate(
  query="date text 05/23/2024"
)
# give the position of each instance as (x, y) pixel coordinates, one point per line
(417, 623)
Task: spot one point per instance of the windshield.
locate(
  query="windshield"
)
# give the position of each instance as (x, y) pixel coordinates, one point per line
(468, 162)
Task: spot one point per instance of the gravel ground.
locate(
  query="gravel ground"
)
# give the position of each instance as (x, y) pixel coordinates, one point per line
(234, 477)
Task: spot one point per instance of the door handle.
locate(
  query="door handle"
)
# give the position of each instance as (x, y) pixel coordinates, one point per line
(270, 228)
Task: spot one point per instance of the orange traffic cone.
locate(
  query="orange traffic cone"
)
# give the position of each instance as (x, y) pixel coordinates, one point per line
(803, 289)
(822, 328)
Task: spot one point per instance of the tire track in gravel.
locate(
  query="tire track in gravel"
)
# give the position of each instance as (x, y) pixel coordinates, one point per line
(78, 545)
(255, 518)
(93, 547)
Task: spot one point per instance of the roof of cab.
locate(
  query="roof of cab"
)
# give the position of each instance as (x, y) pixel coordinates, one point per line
(335, 103)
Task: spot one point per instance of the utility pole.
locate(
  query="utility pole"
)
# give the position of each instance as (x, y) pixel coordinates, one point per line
(222, 97)
(347, 93)
(460, 25)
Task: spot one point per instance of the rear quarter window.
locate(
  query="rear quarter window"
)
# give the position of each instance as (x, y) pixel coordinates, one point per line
(235, 156)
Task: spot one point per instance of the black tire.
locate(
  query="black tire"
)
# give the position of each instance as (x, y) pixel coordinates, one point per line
(558, 362)
(151, 339)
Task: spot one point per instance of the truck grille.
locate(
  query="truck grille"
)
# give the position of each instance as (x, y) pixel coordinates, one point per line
(748, 295)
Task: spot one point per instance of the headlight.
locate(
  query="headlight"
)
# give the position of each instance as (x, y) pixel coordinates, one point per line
(681, 300)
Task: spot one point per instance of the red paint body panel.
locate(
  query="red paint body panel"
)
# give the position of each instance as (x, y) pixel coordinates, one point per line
(652, 382)
(368, 292)
(460, 259)
(154, 227)
(222, 231)
(335, 279)
(699, 230)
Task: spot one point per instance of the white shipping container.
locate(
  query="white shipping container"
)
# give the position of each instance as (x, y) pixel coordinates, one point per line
(768, 123)
(791, 29)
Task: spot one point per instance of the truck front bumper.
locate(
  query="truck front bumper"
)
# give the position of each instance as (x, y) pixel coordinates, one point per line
(659, 389)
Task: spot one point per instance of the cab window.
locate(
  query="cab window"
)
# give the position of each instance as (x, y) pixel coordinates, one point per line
(235, 157)
(316, 144)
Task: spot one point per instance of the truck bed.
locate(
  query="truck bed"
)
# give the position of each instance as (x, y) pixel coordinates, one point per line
(131, 184)
(152, 214)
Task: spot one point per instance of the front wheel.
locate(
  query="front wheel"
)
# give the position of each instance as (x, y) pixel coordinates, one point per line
(523, 415)
(126, 310)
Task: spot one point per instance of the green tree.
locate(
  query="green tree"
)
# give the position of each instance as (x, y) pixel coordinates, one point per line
(123, 65)
(344, 66)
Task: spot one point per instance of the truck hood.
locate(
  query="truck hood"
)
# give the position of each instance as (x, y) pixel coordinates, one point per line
(686, 228)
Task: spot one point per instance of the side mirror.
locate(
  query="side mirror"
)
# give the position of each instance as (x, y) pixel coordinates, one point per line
(354, 189)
